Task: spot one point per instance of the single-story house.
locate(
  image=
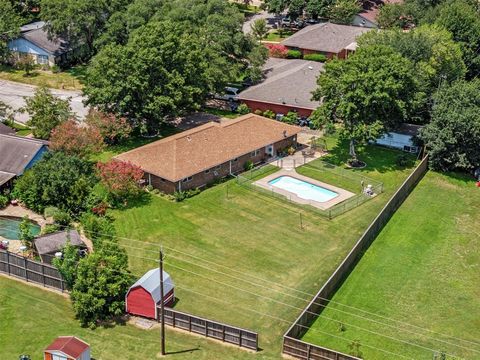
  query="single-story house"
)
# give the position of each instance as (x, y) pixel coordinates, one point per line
(370, 9)
(200, 156)
(402, 138)
(35, 41)
(143, 297)
(287, 86)
(329, 39)
(67, 348)
(17, 155)
(49, 244)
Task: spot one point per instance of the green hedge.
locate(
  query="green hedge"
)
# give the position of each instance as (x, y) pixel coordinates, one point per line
(315, 57)
(294, 54)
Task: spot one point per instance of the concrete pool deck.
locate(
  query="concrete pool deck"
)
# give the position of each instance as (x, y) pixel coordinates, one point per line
(342, 194)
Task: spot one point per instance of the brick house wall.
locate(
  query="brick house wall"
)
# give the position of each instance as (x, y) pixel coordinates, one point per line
(209, 176)
(276, 108)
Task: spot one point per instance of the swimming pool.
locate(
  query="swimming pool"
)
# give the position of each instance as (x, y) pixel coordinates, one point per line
(9, 227)
(303, 189)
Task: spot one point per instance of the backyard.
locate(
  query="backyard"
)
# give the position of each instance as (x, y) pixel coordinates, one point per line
(428, 251)
(231, 250)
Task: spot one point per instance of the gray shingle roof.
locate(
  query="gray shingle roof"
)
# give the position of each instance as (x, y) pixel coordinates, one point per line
(5, 176)
(17, 152)
(54, 242)
(39, 37)
(288, 82)
(325, 37)
(6, 130)
(151, 282)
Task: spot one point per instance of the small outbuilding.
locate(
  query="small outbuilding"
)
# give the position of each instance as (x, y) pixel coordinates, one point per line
(49, 244)
(67, 348)
(143, 297)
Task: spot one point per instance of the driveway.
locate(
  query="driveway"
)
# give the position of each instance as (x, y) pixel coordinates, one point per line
(270, 18)
(12, 94)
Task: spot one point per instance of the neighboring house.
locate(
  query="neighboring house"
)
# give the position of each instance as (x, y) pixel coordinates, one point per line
(49, 244)
(287, 86)
(6, 130)
(202, 155)
(67, 348)
(35, 41)
(143, 297)
(402, 138)
(17, 155)
(370, 9)
(329, 39)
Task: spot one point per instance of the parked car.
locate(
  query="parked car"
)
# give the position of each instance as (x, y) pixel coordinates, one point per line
(312, 22)
(230, 94)
(286, 21)
(299, 24)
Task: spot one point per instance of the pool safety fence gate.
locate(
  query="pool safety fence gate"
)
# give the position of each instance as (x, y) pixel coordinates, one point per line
(354, 179)
(292, 345)
(31, 270)
(210, 328)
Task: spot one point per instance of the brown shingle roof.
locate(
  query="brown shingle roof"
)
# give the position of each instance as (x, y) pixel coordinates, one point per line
(371, 8)
(325, 37)
(287, 82)
(190, 152)
(69, 345)
(56, 241)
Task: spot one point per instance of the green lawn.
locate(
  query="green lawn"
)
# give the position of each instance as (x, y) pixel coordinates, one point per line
(274, 35)
(40, 316)
(68, 80)
(423, 269)
(20, 129)
(256, 237)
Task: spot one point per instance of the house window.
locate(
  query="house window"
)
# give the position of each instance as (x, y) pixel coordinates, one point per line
(187, 179)
(42, 59)
(207, 171)
(254, 153)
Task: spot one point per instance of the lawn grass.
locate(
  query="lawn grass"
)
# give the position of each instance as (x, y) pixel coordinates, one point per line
(222, 113)
(275, 36)
(422, 269)
(256, 237)
(31, 318)
(68, 80)
(20, 129)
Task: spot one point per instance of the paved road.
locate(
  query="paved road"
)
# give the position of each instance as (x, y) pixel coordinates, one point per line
(270, 18)
(12, 94)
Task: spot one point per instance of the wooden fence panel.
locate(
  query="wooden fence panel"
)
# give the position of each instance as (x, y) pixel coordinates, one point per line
(315, 307)
(30, 270)
(210, 328)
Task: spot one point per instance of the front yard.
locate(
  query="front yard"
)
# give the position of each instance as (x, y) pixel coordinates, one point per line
(429, 251)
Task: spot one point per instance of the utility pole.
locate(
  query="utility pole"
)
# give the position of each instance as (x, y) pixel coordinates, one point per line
(162, 312)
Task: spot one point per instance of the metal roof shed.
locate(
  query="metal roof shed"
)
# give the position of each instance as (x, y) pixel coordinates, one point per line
(143, 296)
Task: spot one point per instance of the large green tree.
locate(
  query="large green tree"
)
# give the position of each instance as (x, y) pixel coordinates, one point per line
(371, 91)
(10, 23)
(453, 135)
(46, 112)
(343, 11)
(56, 180)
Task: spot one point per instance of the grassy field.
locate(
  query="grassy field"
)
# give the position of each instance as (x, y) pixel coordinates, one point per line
(423, 269)
(276, 36)
(258, 239)
(68, 80)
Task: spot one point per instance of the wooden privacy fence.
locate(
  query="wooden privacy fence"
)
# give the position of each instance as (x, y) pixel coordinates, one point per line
(30, 270)
(211, 329)
(296, 348)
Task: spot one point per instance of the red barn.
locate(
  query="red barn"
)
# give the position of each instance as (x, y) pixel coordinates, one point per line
(143, 296)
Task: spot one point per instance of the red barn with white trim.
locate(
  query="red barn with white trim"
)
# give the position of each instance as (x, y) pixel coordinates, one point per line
(143, 296)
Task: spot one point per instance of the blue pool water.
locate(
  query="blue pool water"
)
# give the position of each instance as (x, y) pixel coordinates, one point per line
(9, 227)
(303, 189)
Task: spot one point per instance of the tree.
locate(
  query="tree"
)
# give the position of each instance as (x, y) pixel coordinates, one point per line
(259, 28)
(102, 281)
(113, 129)
(56, 180)
(370, 91)
(5, 111)
(343, 11)
(72, 139)
(463, 21)
(318, 8)
(434, 54)
(47, 111)
(121, 179)
(67, 265)
(25, 62)
(453, 135)
(10, 24)
(26, 232)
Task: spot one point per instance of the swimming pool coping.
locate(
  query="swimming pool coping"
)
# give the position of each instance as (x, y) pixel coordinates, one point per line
(342, 193)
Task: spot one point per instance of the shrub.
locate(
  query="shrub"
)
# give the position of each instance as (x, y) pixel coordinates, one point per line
(277, 50)
(315, 57)
(269, 114)
(3, 201)
(258, 112)
(50, 228)
(62, 218)
(248, 165)
(55, 69)
(291, 118)
(294, 54)
(402, 160)
(149, 188)
(97, 228)
(182, 195)
(291, 150)
(49, 211)
(25, 232)
(243, 109)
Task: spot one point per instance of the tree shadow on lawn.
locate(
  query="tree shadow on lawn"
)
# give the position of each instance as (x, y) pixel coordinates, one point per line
(143, 199)
(462, 177)
(376, 157)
